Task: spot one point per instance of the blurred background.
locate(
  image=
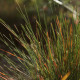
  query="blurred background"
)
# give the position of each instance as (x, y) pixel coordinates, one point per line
(9, 12)
(51, 9)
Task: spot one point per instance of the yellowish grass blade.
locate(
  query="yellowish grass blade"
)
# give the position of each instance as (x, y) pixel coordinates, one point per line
(66, 76)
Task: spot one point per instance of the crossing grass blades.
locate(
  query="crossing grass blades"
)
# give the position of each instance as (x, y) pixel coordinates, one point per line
(51, 54)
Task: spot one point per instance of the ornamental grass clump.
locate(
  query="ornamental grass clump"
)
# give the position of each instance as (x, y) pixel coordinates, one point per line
(50, 54)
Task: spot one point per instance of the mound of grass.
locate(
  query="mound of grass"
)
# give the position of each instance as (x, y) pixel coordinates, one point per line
(50, 54)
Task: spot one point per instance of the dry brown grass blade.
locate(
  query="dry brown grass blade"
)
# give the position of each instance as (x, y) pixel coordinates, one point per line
(4, 74)
(49, 46)
(3, 78)
(11, 54)
(51, 54)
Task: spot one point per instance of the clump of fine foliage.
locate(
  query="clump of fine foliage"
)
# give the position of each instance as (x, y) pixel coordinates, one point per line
(52, 54)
